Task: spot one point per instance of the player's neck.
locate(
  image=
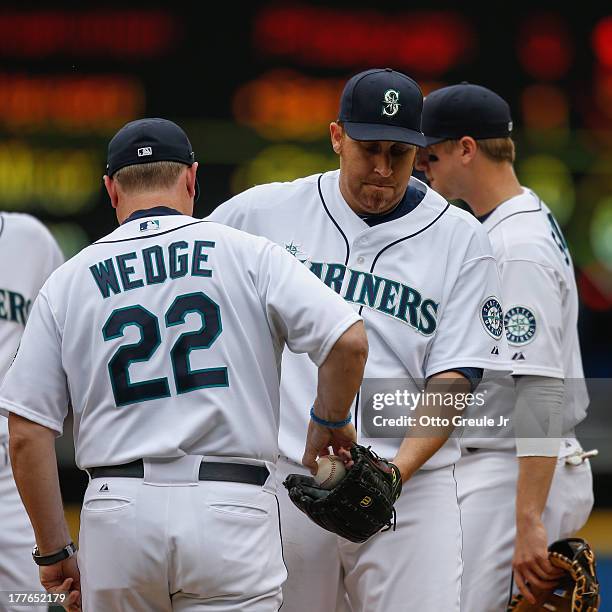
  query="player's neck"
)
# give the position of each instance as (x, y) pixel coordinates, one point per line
(491, 187)
(144, 201)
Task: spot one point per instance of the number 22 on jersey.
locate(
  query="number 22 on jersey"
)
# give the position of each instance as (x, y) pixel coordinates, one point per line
(186, 379)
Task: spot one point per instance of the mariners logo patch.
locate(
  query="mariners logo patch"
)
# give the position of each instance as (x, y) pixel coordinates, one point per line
(520, 324)
(491, 317)
(390, 103)
(294, 248)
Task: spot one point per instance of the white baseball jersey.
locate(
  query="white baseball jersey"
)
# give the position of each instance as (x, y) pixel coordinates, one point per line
(540, 302)
(537, 274)
(426, 285)
(28, 254)
(541, 310)
(166, 337)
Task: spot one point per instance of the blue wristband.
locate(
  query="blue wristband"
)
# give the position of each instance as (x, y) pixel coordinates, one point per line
(330, 424)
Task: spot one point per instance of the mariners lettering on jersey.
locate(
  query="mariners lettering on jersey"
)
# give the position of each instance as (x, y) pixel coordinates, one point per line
(381, 294)
(491, 317)
(157, 264)
(14, 306)
(520, 324)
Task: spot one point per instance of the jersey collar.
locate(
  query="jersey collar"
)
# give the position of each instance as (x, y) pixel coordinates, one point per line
(526, 201)
(156, 211)
(428, 209)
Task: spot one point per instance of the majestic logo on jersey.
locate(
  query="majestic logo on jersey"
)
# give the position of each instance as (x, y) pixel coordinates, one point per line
(14, 306)
(149, 225)
(390, 103)
(386, 296)
(520, 324)
(491, 317)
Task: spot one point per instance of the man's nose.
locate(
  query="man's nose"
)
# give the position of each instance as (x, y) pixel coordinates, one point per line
(383, 165)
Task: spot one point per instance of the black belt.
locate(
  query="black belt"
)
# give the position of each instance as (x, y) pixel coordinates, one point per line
(228, 472)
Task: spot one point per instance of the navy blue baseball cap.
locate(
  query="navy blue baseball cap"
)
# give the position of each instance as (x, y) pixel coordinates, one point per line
(465, 110)
(149, 140)
(382, 104)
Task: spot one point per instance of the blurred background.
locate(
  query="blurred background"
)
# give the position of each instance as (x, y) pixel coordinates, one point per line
(255, 86)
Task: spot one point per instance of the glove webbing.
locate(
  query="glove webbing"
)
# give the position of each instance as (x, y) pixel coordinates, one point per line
(586, 592)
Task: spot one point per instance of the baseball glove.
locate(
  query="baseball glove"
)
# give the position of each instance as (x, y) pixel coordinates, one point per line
(360, 505)
(577, 591)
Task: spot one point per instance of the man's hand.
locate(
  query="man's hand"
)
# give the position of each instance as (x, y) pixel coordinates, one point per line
(320, 438)
(531, 565)
(63, 577)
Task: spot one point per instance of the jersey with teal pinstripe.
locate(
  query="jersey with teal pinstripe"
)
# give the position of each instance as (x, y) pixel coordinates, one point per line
(426, 285)
(165, 337)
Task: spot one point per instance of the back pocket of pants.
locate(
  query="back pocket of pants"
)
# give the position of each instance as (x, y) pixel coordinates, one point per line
(106, 504)
(239, 508)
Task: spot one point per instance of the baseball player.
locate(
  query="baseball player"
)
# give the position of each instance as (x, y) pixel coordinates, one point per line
(28, 254)
(470, 157)
(165, 337)
(422, 276)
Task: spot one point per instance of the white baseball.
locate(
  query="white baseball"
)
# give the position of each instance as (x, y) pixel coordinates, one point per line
(330, 471)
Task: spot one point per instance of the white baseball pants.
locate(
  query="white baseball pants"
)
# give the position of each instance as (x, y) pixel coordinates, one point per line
(17, 568)
(486, 482)
(416, 567)
(206, 546)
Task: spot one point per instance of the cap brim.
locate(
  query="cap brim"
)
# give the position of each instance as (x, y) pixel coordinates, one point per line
(432, 140)
(377, 131)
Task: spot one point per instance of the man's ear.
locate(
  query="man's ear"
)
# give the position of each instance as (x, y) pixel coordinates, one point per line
(469, 148)
(190, 178)
(111, 188)
(336, 133)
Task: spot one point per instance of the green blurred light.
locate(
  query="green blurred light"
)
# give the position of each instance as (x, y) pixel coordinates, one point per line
(60, 181)
(601, 232)
(71, 237)
(551, 180)
(281, 163)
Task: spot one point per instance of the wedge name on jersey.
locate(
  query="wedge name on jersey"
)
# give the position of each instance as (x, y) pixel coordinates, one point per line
(158, 264)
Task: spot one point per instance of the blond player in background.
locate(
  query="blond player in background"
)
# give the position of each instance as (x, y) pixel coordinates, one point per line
(470, 156)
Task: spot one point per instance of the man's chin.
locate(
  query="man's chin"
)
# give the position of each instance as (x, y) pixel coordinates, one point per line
(377, 207)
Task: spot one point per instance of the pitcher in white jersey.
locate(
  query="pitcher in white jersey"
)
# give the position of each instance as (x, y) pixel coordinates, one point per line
(165, 337)
(422, 275)
(546, 494)
(28, 254)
